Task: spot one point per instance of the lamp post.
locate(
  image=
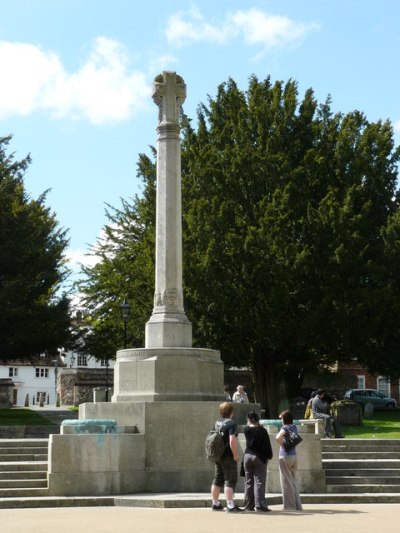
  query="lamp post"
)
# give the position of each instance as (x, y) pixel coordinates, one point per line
(125, 309)
(55, 361)
(107, 362)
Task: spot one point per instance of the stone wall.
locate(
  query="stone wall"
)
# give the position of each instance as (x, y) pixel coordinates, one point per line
(76, 385)
(6, 388)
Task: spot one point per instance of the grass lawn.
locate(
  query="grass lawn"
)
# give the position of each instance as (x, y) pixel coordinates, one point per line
(382, 425)
(21, 417)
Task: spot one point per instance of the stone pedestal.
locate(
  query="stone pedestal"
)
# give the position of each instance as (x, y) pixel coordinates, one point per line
(163, 374)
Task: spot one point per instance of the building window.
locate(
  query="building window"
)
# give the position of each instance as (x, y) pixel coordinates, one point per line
(12, 372)
(383, 385)
(38, 397)
(360, 382)
(82, 360)
(42, 372)
(104, 362)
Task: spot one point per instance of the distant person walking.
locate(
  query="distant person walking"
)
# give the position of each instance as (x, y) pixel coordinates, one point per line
(288, 466)
(240, 396)
(256, 456)
(226, 468)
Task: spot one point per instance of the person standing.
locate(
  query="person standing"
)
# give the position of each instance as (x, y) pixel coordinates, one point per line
(258, 452)
(226, 468)
(288, 466)
(240, 396)
(227, 394)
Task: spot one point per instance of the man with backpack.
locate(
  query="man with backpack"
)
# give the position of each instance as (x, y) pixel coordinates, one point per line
(226, 466)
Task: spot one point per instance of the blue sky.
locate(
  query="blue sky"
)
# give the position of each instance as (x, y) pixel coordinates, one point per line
(77, 76)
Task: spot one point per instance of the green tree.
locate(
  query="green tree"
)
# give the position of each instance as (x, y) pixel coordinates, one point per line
(33, 318)
(285, 204)
(291, 239)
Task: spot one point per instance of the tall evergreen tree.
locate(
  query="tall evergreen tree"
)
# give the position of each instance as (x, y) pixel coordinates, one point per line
(33, 317)
(291, 238)
(285, 204)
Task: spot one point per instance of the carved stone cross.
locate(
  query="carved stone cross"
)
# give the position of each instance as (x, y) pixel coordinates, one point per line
(169, 93)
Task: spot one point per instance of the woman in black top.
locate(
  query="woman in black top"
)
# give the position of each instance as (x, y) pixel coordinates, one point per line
(258, 452)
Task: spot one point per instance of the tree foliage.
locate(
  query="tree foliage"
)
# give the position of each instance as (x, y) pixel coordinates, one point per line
(291, 237)
(287, 206)
(33, 318)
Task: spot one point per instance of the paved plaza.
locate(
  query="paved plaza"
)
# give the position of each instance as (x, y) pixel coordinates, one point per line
(314, 519)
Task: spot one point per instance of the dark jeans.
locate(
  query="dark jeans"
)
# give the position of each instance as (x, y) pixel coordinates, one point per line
(255, 478)
(330, 422)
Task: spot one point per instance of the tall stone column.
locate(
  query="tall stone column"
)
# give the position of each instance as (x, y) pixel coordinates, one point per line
(168, 326)
(168, 368)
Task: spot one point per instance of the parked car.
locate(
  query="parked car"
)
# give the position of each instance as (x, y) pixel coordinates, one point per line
(372, 396)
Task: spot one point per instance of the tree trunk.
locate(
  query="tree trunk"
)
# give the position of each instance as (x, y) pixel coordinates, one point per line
(267, 378)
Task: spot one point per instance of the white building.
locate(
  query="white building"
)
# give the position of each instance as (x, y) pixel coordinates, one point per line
(40, 375)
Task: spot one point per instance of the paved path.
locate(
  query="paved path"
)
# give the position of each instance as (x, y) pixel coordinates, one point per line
(314, 519)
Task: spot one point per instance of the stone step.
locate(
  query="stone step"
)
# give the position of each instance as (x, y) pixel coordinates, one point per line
(329, 464)
(23, 442)
(358, 480)
(360, 442)
(203, 500)
(23, 450)
(23, 474)
(184, 500)
(363, 488)
(366, 497)
(23, 483)
(26, 466)
(55, 501)
(364, 455)
(22, 457)
(358, 448)
(28, 432)
(366, 472)
(23, 493)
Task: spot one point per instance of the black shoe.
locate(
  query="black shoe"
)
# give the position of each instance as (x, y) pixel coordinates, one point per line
(235, 509)
(217, 507)
(263, 510)
(249, 509)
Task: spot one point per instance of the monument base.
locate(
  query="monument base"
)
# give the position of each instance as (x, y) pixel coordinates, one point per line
(168, 374)
(164, 452)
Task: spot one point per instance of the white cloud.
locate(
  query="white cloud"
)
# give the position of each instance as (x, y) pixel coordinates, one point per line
(104, 89)
(76, 258)
(270, 31)
(396, 126)
(255, 26)
(191, 26)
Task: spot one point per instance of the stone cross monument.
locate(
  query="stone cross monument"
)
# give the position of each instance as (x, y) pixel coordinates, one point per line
(166, 395)
(168, 367)
(168, 325)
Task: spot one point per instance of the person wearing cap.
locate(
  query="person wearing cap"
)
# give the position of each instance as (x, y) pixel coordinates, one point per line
(256, 456)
